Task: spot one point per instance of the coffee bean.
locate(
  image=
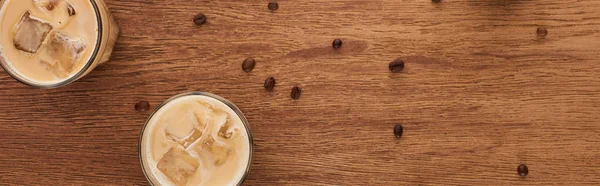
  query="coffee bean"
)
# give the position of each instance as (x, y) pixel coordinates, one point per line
(522, 170)
(542, 31)
(248, 64)
(270, 83)
(273, 6)
(396, 65)
(200, 19)
(296, 91)
(142, 106)
(398, 131)
(337, 43)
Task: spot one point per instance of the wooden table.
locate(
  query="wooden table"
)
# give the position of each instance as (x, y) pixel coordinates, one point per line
(481, 92)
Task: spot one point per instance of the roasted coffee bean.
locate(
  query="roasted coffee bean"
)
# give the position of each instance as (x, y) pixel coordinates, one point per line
(397, 65)
(200, 19)
(522, 170)
(296, 91)
(248, 64)
(398, 129)
(270, 83)
(542, 31)
(337, 43)
(142, 106)
(273, 6)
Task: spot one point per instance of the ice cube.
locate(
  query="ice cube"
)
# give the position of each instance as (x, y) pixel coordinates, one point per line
(208, 111)
(201, 119)
(187, 141)
(59, 10)
(55, 68)
(179, 128)
(225, 130)
(61, 53)
(71, 10)
(178, 165)
(192, 138)
(30, 33)
(185, 131)
(218, 152)
(48, 4)
(204, 113)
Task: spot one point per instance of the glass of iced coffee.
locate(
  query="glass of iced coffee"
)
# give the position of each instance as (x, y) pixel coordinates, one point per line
(51, 43)
(196, 139)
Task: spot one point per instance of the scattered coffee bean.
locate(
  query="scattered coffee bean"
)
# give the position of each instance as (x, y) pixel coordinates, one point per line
(523, 170)
(200, 19)
(270, 83)
(398, 129)
(142, 106)
(542, 31)
(248, 64)
(337, 43)
(397, 65)
(273, 6)
(296, 91)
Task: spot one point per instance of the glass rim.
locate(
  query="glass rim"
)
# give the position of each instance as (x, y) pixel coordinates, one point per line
(218, 98)
(71, 79)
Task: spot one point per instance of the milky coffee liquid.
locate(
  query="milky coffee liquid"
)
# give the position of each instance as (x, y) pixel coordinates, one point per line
(195, 140)
(48, 41)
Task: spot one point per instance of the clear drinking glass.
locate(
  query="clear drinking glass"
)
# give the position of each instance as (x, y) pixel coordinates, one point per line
(145, 167)
(108, 32)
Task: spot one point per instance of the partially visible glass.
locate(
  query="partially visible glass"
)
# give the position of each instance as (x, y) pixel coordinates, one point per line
(141, 147)
(108, 32)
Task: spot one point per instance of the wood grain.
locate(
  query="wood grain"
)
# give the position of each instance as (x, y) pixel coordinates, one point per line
(481, 92)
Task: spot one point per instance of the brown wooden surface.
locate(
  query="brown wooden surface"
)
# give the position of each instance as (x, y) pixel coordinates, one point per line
(481, 92)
